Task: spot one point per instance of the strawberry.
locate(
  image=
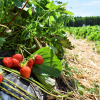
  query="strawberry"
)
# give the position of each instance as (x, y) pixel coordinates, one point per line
(30, 62)
(15, 62)
(19, 57)
(25, 71)
(19, 66)
(7, 61)
(1, 78)
(30, 67)
(38, 60)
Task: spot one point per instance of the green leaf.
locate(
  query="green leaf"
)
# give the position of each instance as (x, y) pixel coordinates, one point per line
(2, 40)
(80, 92)
(1, 4)
(30, 11)
(68, 12)
(64, 4)
(59, 2)
(66, 43)
(66, 66)
(18, 3)
(45, 80)
(58, 14)
(81, 87)
(51, 18)
(55, 51)
(51, 64)
(51, 6)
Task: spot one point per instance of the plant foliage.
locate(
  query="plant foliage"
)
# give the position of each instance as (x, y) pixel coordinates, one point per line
(51, 64)
(92, 33)
(41, 18)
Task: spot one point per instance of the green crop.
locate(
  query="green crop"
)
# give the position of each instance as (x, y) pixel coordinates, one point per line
(40, 18)
(92, 33)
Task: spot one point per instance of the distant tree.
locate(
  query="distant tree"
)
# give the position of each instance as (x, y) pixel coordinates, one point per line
(79, 21)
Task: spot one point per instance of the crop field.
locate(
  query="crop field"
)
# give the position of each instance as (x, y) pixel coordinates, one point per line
(38, 61)
(91, 33)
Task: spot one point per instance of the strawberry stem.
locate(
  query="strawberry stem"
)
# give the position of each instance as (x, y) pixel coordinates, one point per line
(17, 73)
(21, 52)
(14, 17)
(16, 90)
(46, 88)
(4, 26)
(27, 51)
(2, 57)
(19, 87)
(10, 93)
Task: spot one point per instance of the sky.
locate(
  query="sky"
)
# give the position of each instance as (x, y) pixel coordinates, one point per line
(83, 7)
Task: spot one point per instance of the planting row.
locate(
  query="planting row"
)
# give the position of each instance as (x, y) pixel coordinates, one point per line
(92, 33)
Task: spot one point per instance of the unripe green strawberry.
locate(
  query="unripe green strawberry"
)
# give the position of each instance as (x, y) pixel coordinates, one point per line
(7, 61)
(19, 57)
(38, 60)
(25, 71)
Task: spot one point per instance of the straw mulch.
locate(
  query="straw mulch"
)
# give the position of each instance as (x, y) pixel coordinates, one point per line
(87, 61)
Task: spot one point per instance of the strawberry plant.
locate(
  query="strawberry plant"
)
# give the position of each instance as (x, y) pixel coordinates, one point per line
(37, 18)
(89, 32)
(51, 64)
(34, 29)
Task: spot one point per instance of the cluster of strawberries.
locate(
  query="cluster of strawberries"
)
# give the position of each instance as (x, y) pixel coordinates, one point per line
(25, 69)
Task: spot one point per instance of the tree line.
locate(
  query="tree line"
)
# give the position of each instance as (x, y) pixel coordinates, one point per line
(80, 21)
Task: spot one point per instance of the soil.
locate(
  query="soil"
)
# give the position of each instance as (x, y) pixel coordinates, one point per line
(86, 65)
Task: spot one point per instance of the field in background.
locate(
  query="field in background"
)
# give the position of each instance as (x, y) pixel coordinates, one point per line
(84, 63)
(91, 33)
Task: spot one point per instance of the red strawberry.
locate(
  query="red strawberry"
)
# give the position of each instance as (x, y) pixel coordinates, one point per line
(38, 60)
(19, 66)
(30, 67)
(30, 62)
(7, 61)
(19, 57)
(15, 62)
(25, 71)
(1, 78)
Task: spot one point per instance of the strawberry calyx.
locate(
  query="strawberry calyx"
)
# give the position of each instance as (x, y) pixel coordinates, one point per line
(34, 57)
(24, 62)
